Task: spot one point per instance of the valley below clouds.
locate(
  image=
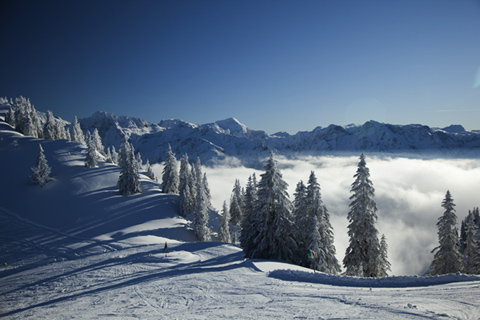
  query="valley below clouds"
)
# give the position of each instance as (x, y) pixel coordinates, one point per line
(408, 193)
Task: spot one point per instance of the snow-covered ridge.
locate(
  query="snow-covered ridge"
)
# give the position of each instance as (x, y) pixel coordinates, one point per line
(230, 138)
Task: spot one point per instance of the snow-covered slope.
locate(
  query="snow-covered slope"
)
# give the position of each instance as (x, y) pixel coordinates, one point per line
(230, 138)
(77, 249)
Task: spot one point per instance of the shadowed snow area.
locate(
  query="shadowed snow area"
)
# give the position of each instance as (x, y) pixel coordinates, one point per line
(77, 249)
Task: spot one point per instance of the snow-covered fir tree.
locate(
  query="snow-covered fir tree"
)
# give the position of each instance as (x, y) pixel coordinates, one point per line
(273, 237)
(362, 256)
(250, 196)
(236, 210)
(32, 123)
(150, 172)
(300, 216)
(447, 258)
(170, 178)
(50, 128)
(384, 265)
(472, 248)
(60, 132)
(77, 133)
(67, 134)
(202, 213)
(97, 141)
(318, 230)
(41, 171)
(187, 201)
(114, 155)
(21, 112)
(248, 223)
(184, 166)
(473, 216)
(108, 157)
(224, 230)
(129, 180)
(91, 154)
(138, 158)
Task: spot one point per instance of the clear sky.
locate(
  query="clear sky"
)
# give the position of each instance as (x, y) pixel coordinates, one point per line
(274, 65)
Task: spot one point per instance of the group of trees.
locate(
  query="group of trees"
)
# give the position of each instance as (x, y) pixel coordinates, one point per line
(192, 186)
(25, 119)
(270, 226)
(454, 253)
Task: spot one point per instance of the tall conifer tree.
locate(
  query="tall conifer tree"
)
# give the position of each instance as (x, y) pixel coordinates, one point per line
(41, 171)
(362, 256)
(224, 230)
(273, 237)
(170, 178)
(447, 258)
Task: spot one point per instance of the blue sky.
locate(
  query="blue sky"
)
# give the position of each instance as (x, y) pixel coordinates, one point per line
(273, 65)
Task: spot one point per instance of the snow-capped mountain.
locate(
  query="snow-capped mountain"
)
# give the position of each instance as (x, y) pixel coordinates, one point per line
(230, 138)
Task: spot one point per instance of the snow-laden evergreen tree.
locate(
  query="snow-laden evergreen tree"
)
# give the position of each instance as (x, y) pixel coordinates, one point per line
(67, 134)
(224, 230)
(187, 197)
(50, 128)
(236, 210)
(362, 256)
(124, 151)
(150, 172)
(184, 166)
(60, 132)
(138, 158)
(41, 171)
(202, 213)
(319, 231)
(273, 237)
(474, 217)
(472, 248)
(114, 155)
(21, 112)
(250, 196)
(32, 125)
(29, 127)
(91, 156)
(187, 201)
(248, 223)
(384, 265)
(36, 123)
(300, 215)
(108, 157)
(129, 180)
(98, 142)
(170, 178)
(77, 133)
(447, 258)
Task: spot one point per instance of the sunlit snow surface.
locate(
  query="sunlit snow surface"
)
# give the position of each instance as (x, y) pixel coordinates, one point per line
(77, 249)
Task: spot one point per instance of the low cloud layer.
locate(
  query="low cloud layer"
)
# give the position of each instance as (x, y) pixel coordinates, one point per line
(408, 194)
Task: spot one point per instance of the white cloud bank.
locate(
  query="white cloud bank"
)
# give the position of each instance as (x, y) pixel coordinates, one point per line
(408, 194)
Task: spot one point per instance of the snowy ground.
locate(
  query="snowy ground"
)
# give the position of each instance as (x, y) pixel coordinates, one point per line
(211, 280)
(77, 249)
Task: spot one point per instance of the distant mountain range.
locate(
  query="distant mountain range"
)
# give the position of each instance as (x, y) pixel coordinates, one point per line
(230, 138)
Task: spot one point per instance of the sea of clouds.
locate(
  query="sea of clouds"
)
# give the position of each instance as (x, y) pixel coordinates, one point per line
(408, 193)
